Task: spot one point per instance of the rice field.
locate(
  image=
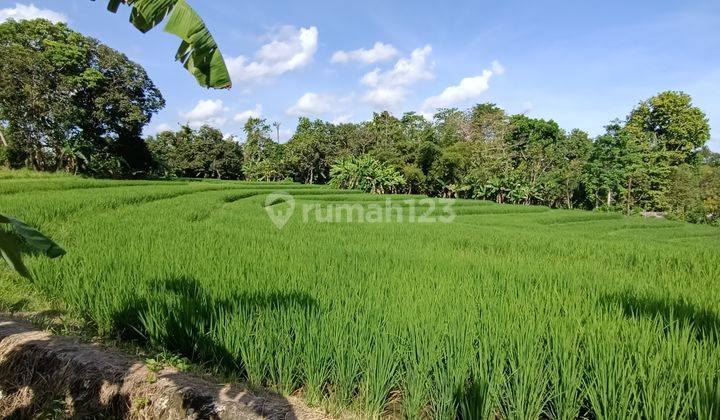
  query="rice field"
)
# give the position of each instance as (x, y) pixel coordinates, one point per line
(506, 312)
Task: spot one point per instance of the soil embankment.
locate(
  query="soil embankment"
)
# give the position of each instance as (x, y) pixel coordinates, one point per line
(45, 373)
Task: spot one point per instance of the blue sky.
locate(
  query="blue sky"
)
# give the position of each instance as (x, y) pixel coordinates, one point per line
(580, 63)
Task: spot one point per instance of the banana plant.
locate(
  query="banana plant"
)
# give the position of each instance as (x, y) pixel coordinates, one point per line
(198, 52)
(20, 236)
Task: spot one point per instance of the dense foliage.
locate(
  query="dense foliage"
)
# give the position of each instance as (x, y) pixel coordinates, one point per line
(202, 153)
(69, 102)
(646, 162)
(510, 311)
(655, 160)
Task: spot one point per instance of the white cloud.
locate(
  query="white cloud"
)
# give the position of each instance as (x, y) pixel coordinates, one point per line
(286, 134)
(313, 104)
(468, 88)
(157, 128)
(342, 119)
(386, 97)
(372, 78)
(162, 127)
(405, 72)
(207, 111)
(290, 50)
(25, 12)
(497, 68)
(379, 52)
(243, 116)
(389, 87)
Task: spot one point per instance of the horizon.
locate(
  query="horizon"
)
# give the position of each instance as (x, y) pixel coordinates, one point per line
(580, 65)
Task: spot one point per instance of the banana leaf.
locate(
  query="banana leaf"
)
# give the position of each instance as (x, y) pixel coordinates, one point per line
(198, 51)
(29, 238)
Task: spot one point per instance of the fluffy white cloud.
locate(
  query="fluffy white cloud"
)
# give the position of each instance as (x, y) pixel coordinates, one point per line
(385, 97)
(25, 12)
(405, 72)
(207, 111)
(342, 119)
(468, 88)
(379, 52)
(389, 87)
(161, 127)
(313, 104)
(497, 68)
(247, 114)
(290, 49)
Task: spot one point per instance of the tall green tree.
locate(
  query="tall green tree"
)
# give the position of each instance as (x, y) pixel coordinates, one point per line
(198, 53)
(201, 153)
(673, 129)
(264, 159)
(66, 100)
(312, 150)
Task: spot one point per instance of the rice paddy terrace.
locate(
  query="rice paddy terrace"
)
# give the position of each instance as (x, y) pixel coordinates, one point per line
(509, 311)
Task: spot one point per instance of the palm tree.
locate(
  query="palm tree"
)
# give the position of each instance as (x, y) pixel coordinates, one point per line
(198, 52)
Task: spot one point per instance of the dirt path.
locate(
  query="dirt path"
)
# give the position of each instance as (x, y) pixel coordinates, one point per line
(49, 374)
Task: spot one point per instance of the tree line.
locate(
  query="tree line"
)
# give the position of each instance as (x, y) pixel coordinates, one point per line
(69, 103)
(653, 160)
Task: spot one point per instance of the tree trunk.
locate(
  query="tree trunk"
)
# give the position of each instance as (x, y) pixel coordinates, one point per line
(2, 139)
(629, 195)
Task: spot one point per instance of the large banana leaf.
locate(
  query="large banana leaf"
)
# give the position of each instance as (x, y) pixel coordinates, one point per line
(198, 51)
(11, 247)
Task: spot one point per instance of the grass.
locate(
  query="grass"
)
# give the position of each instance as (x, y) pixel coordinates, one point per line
(510, 311)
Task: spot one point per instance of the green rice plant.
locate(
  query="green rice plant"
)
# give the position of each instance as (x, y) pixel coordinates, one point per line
(706, 398)
(526, 389)
(419, 354)
(506, 312)
(480, 398)
(451, 371)
(284, 362)
(379, 371)
(612, 386)
(316, 356)
(348, 360)
(566, 370)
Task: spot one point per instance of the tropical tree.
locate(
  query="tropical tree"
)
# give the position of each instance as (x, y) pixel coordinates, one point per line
(201, 153)
(672, 127)
(367, 174)
(198, 53)
(67, 100)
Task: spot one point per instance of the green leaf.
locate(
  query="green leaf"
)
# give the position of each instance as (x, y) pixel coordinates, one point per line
(113, 5)
(198, 52)
(33, 237)
(10, 250)
(154, 11)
